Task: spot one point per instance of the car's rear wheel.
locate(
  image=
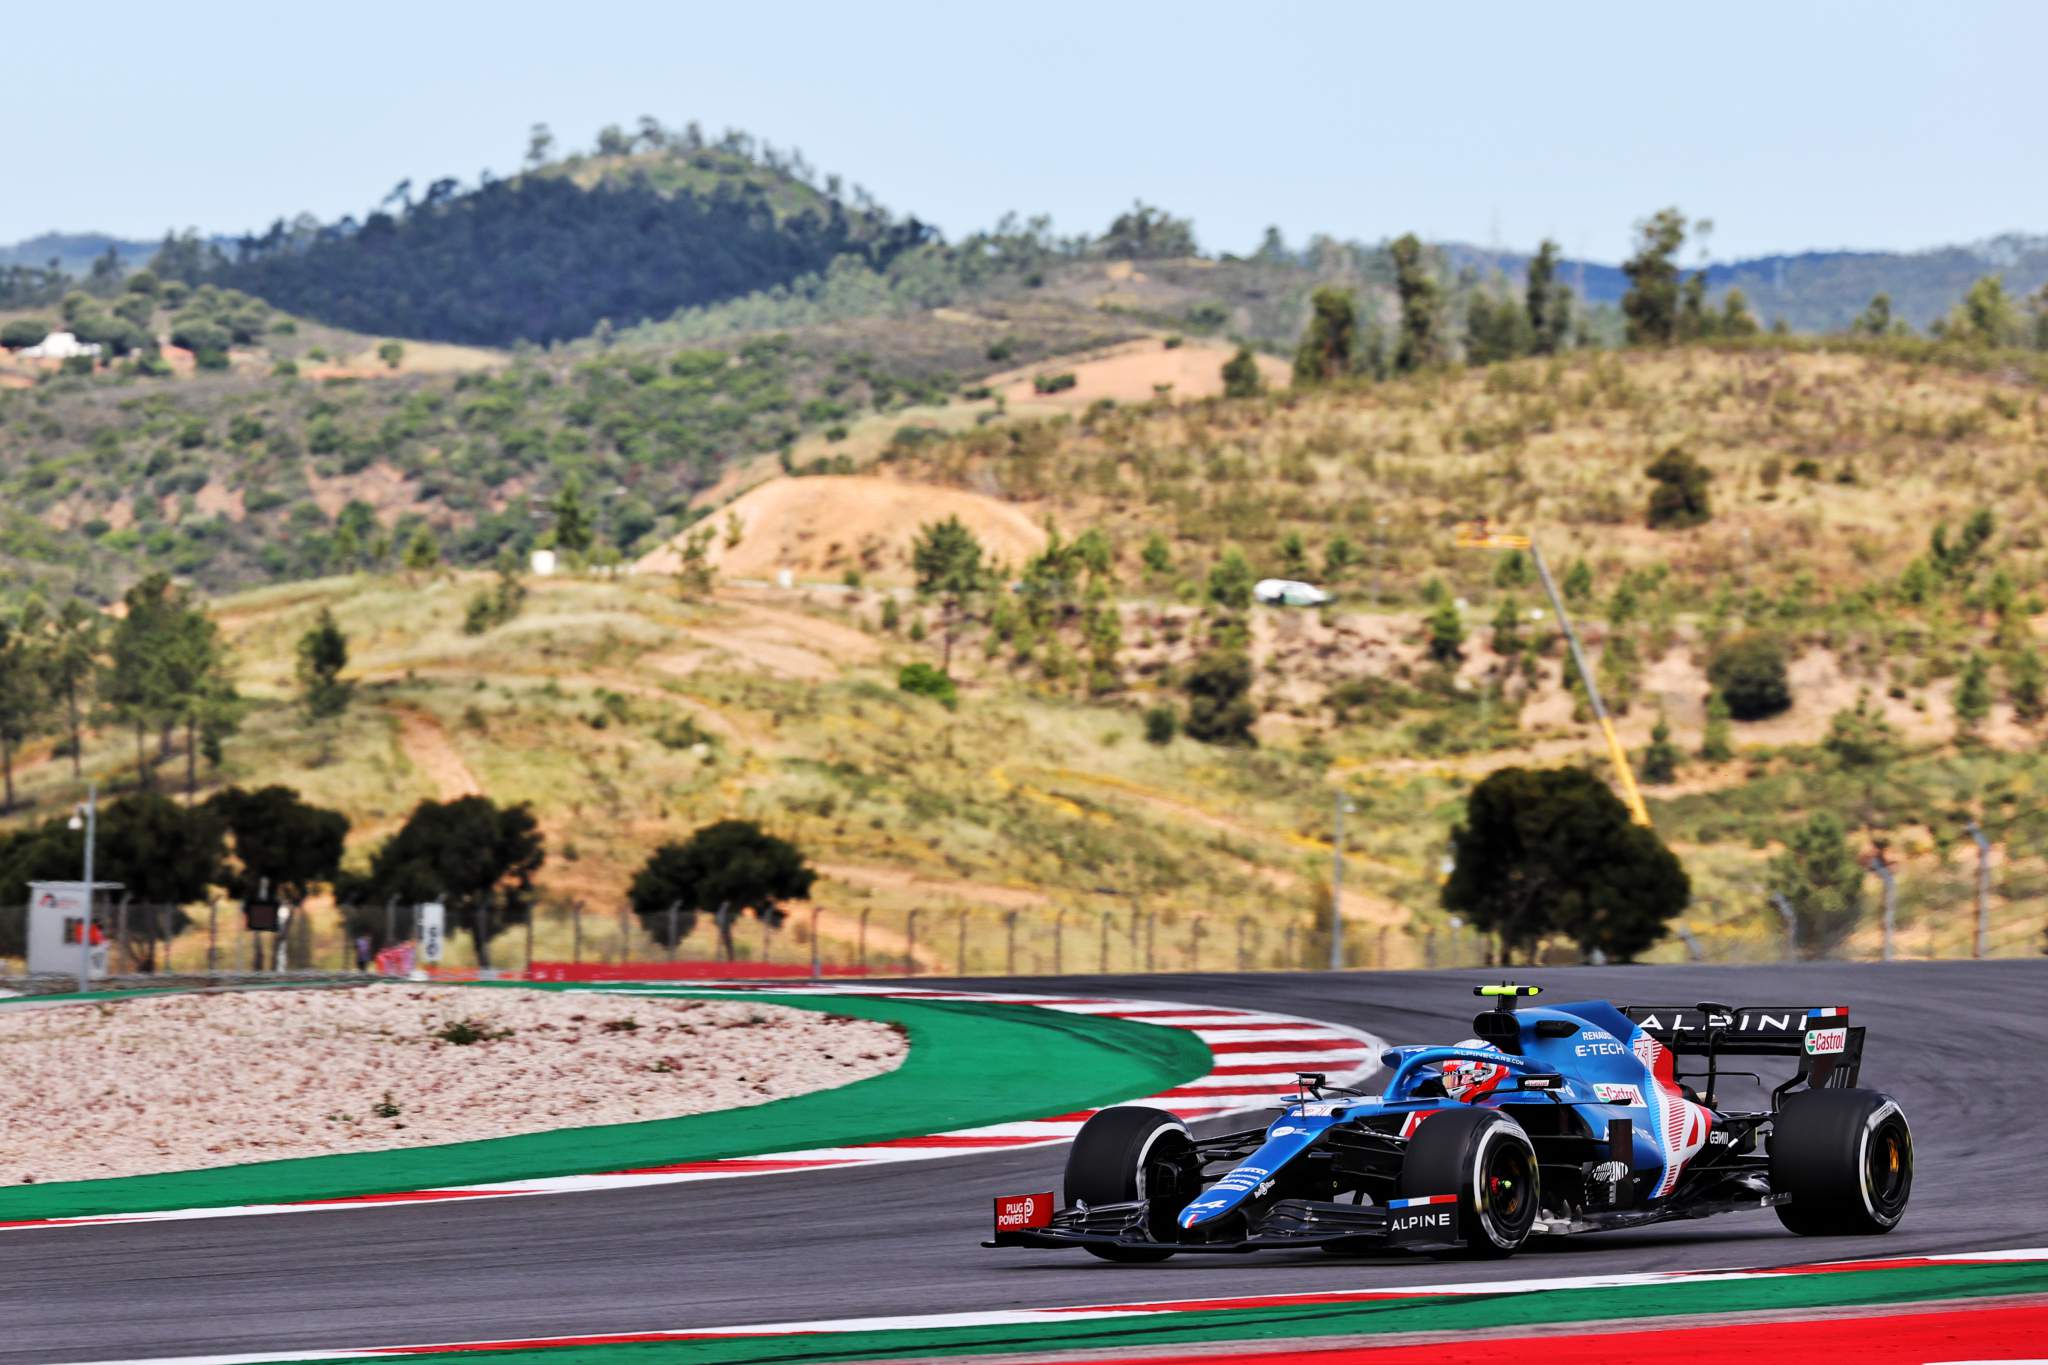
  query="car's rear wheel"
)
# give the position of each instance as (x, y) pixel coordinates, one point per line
(1483, 1157)
(1846, 1158)
(1127, 1153)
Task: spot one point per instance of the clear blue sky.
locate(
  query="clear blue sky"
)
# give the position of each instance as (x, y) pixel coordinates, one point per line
(1792, 125)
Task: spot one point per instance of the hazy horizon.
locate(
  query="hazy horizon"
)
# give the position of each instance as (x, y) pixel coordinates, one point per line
(1867, 128)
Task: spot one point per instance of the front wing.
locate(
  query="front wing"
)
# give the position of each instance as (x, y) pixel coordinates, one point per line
(1428, 1223)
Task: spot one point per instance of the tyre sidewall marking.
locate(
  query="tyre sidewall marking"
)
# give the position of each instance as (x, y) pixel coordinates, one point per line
(1889, 1109)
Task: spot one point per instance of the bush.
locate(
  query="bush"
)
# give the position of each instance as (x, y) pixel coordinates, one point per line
(23, 332)
(1219, 705)
(1749, 674)
(1241, 378)
(1053, 383)
(922, 680)
(1679, 499)
(1162, 723)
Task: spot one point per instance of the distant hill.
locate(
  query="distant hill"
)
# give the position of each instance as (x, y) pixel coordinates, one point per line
(1820, 291)
(554, 253)
(74, 252)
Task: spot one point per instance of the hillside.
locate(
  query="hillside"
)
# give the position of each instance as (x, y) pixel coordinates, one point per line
(307, 450)
(628, 714)
(603, 240)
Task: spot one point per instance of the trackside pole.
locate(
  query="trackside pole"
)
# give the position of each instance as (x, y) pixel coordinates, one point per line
(1883, 870)
(1337, 883)
(1784, 909)
(1983, 888)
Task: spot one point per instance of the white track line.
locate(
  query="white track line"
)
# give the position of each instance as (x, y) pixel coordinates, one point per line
(1020, 1317)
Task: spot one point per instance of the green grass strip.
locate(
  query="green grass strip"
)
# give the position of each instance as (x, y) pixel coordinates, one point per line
(1874, 1289)
(970, 1063)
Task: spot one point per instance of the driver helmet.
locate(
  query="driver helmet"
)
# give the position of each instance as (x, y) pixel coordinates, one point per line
(1471, 1081)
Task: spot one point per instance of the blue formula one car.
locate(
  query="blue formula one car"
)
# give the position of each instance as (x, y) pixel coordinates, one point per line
(1552, 1120)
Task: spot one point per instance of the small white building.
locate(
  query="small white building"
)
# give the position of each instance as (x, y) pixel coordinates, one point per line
(60, 346)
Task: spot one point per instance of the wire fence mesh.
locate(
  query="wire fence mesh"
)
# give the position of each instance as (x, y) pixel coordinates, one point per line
(1936, 918)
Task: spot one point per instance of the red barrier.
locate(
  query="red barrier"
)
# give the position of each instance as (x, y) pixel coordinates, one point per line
(678, 971)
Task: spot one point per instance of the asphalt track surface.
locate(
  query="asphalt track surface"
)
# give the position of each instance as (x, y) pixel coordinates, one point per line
(1964, 1046)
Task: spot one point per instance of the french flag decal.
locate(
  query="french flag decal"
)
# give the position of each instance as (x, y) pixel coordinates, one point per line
(1831, 1012)
(1420, 1201)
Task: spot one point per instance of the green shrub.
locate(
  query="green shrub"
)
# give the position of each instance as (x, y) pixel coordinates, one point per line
(1054, 383)
(1162, 723)
(922, 680)
(1679, 498)
(1749, 673)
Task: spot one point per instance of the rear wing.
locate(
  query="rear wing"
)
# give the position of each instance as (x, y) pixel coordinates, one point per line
(1829, 1050)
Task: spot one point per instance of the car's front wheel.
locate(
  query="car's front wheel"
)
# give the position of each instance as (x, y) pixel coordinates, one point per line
(1126, 1153)
(1483, 1157)
(1846, 1158)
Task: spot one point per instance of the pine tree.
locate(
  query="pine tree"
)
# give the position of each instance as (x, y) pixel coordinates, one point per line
(422, 555)
(1446, 633)
(323, 653)
(1651, 304)
(1660, 759)
(1548, 302)
(1716, 745)
(1421, 344)
(1325, 350)
(1972, 700)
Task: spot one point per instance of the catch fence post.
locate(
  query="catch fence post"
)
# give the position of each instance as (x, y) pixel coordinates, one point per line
(910, 946)
(576, 932)
(673, 908)
(390, 921)
(1692, 945)
(1381, 960)
(1429, 947)
(212, 936)
(1784, 909)
(1010, 943)
(1059, 928)
(1244, 923)
(817, 962)
(865, 911)
(1291, 962)
(1195, 945)
(960, 944)
(1883, 870)
(1983, 888)
(1104, 968)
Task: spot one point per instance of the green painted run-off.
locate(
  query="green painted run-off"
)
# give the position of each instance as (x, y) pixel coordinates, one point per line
(970, 1063)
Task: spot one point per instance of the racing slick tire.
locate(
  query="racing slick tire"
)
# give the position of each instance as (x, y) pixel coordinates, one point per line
(1488, 1161)
(1846, 1158)
(1129, 1152)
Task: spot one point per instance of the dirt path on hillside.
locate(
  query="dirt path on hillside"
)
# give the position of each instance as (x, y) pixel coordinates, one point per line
(427, 745)
(783, 641)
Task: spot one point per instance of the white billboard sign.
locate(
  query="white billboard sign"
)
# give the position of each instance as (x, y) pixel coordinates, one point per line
(431, 930)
